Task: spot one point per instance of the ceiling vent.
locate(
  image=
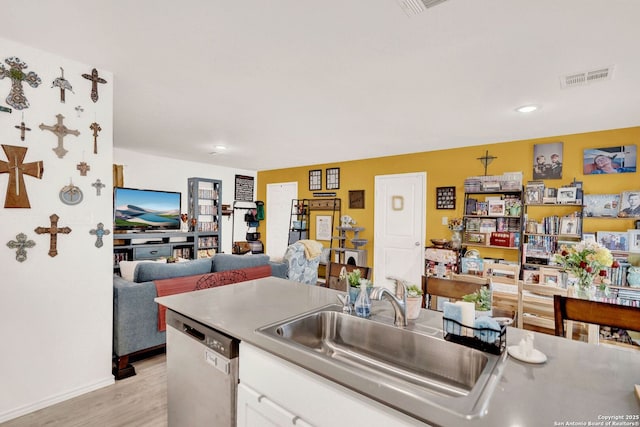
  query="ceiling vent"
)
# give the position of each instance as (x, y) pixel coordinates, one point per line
(587, 77)
(414, 7)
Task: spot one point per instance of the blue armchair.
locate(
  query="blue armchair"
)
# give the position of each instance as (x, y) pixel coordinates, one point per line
(303, 267)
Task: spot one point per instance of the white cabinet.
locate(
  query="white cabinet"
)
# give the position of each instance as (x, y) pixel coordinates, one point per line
(274, 392)
(256, 410)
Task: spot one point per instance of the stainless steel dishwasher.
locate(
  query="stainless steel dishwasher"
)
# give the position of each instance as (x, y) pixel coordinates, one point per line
(202, 374)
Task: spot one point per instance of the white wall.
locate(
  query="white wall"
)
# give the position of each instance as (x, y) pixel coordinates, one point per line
(162, 173)
(56, 313)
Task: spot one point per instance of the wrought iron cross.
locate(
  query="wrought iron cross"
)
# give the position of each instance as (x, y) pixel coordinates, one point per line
(99, 231)
(21, 244)
(486, 160)
(60, 130)
(53, 230)
(98, 185)
(16, 168)
(95, 79)
(83, 167)
(63, 84)
(16, 97)
(95, 127)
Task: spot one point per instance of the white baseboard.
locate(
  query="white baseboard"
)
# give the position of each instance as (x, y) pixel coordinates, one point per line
(27, 409)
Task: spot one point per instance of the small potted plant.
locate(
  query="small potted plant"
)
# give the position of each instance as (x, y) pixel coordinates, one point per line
(482, 300)
(414, 301)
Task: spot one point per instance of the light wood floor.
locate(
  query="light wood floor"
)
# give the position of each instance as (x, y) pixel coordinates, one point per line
(140, 400)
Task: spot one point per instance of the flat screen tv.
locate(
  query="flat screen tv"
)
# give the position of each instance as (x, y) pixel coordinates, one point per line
(146, 210)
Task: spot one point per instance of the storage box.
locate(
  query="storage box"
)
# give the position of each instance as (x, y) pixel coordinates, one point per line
(476, 238)
(503, 239)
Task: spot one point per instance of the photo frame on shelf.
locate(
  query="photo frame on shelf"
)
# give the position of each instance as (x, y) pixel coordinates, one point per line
(531, 277)
(613, 240)
(601, 205)
(569, 226)
(534, 194)
(445, 197)
(589, 237)
(496, 208)
(323, 227)
(634, 240)
(567, 194)
(315, 179)
(333, 178)
(630, 204)
(550, 276)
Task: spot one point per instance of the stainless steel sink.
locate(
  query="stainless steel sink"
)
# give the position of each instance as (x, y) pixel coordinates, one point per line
(415, 361)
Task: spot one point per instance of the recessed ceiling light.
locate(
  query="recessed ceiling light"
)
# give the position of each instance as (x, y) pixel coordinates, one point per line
(220, 147)
(527, 109)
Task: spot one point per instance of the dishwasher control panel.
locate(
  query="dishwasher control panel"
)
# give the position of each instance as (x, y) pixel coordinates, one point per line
(216, 341)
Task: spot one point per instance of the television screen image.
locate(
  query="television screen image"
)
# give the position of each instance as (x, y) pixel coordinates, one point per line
(137, 209)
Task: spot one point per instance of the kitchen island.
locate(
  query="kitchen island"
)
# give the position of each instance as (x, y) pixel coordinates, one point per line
(579, 384)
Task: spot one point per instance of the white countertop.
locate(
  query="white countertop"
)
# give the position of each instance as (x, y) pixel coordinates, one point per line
(579, 383)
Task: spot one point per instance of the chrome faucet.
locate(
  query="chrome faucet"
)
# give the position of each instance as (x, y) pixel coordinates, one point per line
(398, 301)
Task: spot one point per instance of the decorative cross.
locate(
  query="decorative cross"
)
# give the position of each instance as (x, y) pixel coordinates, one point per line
(99, 231)
(16, 97)
(60, 130)
(53, 230)
(21, 244)
(79, 110)
(486, 160)
(95, 127)
(95, 79)
(63, 84)
(22, 128)
(83, 167)
(5, 109)
(16, 192)
(98, 185)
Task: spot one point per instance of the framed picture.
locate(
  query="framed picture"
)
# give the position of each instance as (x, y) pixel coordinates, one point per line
(496, 208)
(315, 179)
(630, 204)
(445, 197)
(567, 194)
(534, 194)
(613, 240)
(616, 159)
(601, 205)
(569, 226)
(333, 178)
(356, 199)
(634, 240)
(550, 276)
(323, 227)
(547, 161)
(589, 237)
(531, 277)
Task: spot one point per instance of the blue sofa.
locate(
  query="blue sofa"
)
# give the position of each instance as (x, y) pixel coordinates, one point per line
(135, 313)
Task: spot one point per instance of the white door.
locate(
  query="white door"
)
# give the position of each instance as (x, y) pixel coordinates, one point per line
(399, 228)
(278, 211)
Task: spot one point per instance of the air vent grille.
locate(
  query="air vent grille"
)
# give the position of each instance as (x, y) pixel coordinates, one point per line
(587, 77)
(414, 7)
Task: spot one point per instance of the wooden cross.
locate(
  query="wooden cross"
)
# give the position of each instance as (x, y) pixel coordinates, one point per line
(63, 84)
(21, 244)
(83, 167)
(60, 130)
(16, 97)
(53, 230)
(98, 185)
(95, 127)
(99, 231)
(95, 79)
(17, 196)
(22, 128)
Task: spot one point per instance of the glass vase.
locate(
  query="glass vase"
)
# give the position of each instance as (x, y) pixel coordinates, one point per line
(456, 239)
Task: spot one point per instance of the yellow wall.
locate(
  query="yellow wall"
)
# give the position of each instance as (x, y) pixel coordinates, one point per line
(450, 168)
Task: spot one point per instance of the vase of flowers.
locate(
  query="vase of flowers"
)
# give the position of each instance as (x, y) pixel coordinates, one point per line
(455, 225)
(587, 262)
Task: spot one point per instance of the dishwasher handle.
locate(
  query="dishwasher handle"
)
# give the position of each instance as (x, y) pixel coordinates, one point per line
(193, 332)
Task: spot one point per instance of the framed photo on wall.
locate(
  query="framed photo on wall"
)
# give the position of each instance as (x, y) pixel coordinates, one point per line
(616, 159)
(445, 197)
(323, 227)
(547, 161)
(630, 204)
(333, 178)
(315, 180)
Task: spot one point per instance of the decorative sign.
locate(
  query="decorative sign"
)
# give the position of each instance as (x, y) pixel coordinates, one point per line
(356, 199)
(244, 188)
(445, 197)
(315, 179)
(325, 194)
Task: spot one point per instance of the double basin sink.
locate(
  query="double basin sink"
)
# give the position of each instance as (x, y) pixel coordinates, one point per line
(416, 361)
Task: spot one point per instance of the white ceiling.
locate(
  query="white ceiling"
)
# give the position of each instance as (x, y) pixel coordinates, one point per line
(288, 83)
